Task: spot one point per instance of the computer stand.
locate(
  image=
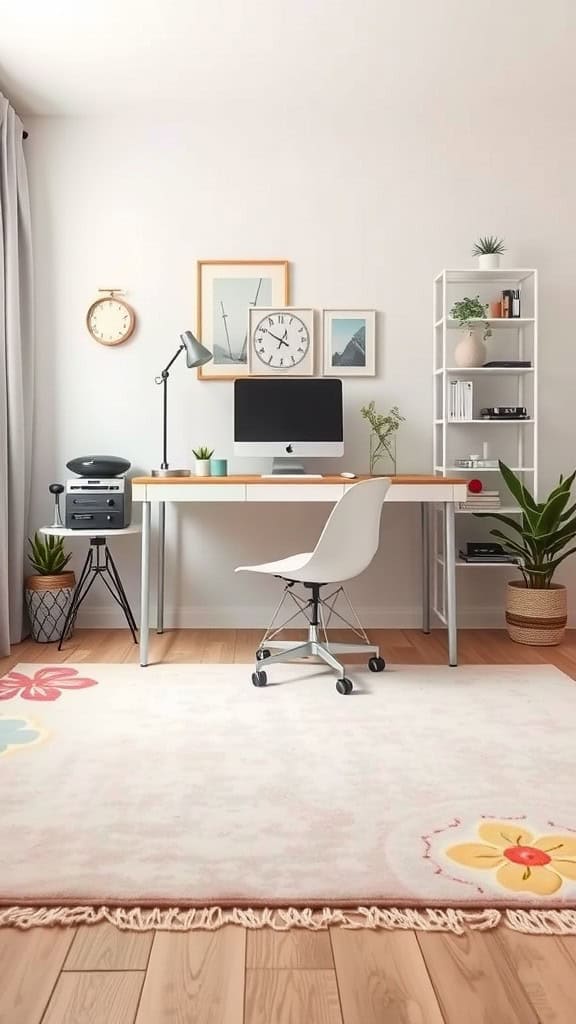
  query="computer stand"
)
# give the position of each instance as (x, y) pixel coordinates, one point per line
(289, 467)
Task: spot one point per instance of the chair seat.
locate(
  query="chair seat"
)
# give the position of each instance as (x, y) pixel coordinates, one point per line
(292, 568)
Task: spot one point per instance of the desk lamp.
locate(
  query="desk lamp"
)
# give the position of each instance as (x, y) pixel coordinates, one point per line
(196, 355)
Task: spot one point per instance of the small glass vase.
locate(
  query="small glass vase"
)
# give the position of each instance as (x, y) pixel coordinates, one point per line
(382, 457)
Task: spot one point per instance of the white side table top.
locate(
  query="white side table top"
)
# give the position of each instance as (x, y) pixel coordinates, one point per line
(65, 531)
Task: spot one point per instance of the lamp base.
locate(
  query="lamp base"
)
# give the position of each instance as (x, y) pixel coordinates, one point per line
(171, 472)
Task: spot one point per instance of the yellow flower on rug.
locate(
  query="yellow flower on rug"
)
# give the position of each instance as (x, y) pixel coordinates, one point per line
(521, 863)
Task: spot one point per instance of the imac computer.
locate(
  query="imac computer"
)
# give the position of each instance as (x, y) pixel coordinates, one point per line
(288, 420)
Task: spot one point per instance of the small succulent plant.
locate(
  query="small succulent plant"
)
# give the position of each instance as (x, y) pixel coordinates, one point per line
(489, 244)
(47, 555)
(202, 453)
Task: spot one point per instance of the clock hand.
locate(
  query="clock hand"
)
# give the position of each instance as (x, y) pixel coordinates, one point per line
(275, 336)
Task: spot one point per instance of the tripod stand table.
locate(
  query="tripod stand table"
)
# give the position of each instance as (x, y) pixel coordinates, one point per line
(98, 562)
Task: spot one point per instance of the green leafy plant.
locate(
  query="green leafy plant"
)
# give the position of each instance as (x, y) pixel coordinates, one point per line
(546, 527)
(488, 244)
(47, 555)
(202, 453)
(468, 310)
(383, 433)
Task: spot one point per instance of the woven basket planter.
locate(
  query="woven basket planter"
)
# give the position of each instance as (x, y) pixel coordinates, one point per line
(536, 617)
(48, 599)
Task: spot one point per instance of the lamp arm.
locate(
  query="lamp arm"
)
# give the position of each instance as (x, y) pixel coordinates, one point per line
(163, 379)
(173, 360)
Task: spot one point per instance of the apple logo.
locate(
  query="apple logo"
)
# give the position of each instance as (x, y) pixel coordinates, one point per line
(289, 449)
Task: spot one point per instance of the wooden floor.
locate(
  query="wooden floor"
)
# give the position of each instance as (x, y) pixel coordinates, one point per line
(97, 975)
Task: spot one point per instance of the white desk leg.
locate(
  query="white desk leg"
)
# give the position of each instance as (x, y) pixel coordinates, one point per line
(425, 522)
(161, 564)
(145, 583)
(450, 569)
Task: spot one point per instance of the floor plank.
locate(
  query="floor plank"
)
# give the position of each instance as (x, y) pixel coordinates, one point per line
(102, 947)
(383, 979)
(296, 948)
(106, 997)
(546, 972)
(30, 963)
(195, 976)
(291, 997)
(469, 973)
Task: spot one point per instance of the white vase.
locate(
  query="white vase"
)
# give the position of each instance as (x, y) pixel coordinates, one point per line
(202, 467)
(489, 261)
(470, 350)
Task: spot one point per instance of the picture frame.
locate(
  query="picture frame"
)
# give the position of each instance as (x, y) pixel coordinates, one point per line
(226, 290)
(281, 341)
(349, 342)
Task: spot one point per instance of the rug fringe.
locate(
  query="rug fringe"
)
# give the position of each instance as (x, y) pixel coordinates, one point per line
(138, 919)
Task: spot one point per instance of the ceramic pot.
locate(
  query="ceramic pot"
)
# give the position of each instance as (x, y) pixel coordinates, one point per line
(536, 617)
(202, 467)
(489, 261)
(48, 600)
(470, 350)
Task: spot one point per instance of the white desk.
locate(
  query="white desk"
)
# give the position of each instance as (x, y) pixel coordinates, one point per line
(424, 490)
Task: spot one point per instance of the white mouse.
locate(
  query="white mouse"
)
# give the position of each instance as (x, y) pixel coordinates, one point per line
(349, 476)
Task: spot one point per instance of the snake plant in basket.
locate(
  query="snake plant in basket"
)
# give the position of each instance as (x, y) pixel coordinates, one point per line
(536, 608)
(48, 593)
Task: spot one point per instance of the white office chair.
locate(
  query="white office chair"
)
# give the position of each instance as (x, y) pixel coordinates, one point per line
(346, 547)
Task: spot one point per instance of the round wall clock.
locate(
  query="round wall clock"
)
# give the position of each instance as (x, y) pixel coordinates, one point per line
(281, 341)
(110, 320)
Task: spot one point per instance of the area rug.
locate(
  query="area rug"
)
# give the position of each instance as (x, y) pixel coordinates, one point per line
(180, 796)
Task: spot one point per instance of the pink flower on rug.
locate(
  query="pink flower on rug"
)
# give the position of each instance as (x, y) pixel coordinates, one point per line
(521, 862)
(45, 684)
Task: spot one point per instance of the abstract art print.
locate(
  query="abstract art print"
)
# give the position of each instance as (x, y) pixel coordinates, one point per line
(227, 290)
(349, 342)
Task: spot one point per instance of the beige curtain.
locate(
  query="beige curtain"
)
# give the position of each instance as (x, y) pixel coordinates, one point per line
(16, 372)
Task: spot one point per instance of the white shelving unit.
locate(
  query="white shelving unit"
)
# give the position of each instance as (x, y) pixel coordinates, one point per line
(514, 441)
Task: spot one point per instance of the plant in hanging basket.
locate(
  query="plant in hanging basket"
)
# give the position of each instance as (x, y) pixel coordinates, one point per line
(49, 592)
(536, 607)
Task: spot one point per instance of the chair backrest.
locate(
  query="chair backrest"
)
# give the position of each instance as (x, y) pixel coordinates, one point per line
(351, 535)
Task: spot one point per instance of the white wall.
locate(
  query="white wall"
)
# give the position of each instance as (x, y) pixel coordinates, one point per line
(367, 207)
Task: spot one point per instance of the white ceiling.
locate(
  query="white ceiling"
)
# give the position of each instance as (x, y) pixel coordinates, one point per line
(71, 57)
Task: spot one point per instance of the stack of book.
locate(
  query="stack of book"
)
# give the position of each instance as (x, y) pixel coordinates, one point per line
(460, 400)
(487, 552)
(486, 501)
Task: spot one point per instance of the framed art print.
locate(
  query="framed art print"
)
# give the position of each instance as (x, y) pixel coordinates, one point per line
(227, 290)
(281, 341)
(349, 339)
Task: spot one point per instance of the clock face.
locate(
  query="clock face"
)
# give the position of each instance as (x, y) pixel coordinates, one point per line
(110, 321)
(281, 341)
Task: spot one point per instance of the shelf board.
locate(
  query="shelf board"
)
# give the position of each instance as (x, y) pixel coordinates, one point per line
(474, 274)
(469, 469)
(508, 510)
(498, 321)
(494, 371)
(500, 422)
(480, 565)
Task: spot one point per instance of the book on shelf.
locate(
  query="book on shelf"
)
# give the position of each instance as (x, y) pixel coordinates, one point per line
(487, 551)
(460, 399)
(503, 559)
(485, 501)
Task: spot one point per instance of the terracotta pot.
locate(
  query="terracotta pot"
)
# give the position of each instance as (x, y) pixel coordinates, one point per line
(536, 617)
(470, 350)
(48, 599)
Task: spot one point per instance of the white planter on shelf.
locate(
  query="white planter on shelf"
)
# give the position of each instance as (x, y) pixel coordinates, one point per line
(489, 261)
(202, 467)
(471, 349)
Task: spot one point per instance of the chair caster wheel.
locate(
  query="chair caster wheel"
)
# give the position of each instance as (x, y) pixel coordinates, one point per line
(262, 653)
(344, 685)
(376, 664)
(259, 678)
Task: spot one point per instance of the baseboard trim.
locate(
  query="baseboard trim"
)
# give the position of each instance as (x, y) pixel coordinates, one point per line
(242, 617)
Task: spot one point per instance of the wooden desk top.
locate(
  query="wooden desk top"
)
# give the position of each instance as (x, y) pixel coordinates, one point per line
(214, 481)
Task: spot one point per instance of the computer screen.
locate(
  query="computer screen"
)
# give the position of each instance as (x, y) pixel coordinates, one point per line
(288, 417)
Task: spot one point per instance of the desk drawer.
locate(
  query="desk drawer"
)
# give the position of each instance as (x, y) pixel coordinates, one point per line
(196, 492)
(294, 492)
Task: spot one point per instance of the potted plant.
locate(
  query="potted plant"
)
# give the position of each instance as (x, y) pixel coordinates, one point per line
(202, 456)
(382, 434)
(471, 350)
(489, 250)
(536, 608)
(48, 593)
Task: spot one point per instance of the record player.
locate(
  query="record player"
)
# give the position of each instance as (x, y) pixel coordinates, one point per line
(100, 498)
